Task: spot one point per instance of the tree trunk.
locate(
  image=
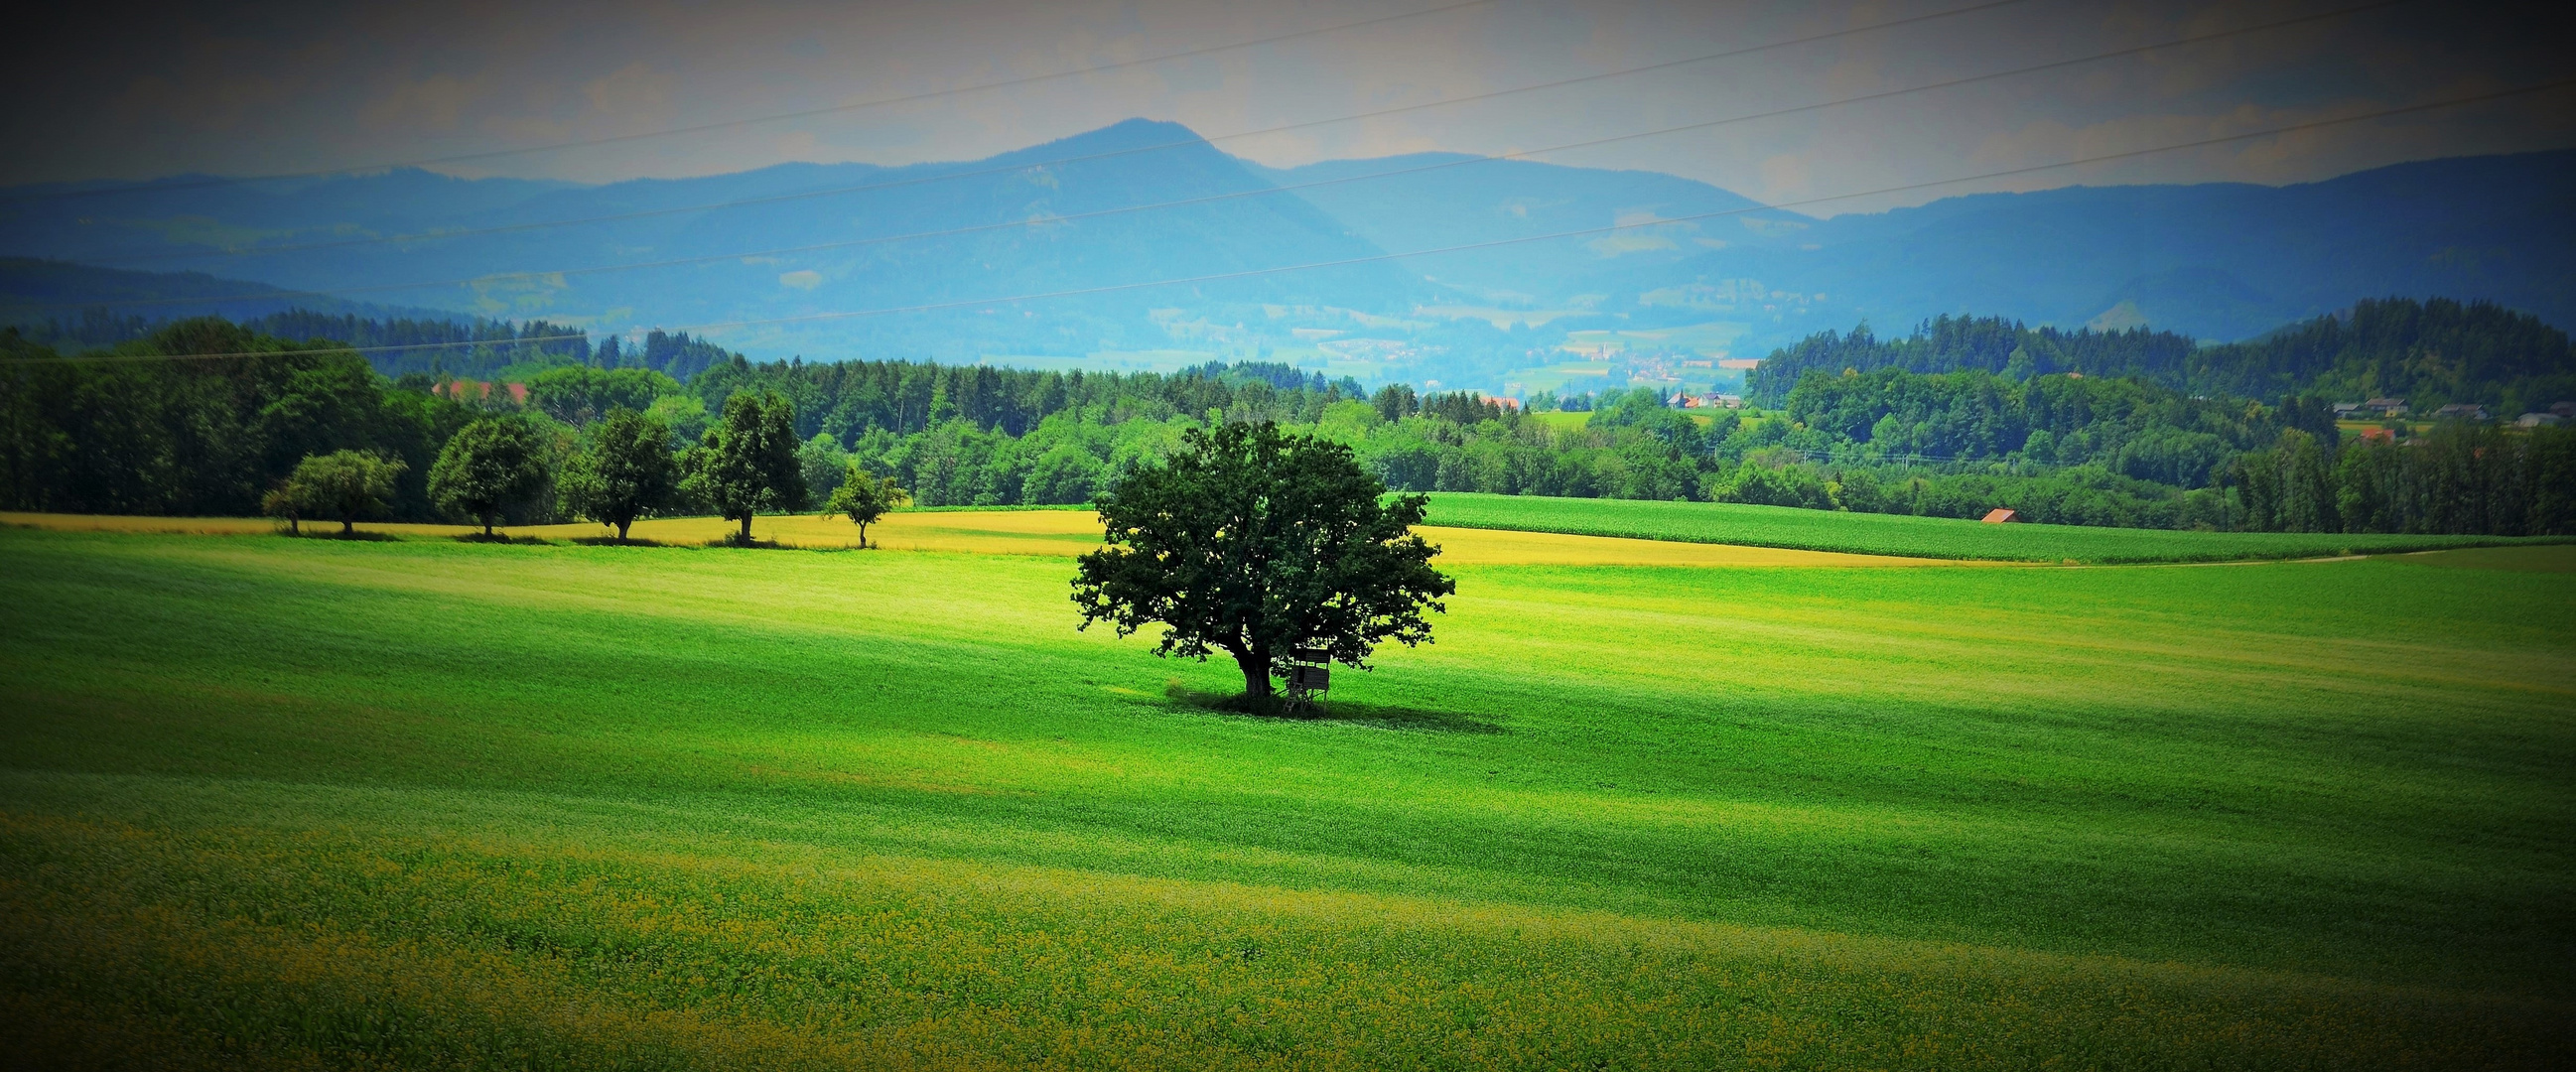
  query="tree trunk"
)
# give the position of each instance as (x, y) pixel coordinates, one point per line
(621, 529)
(746, 527)
(863, 535)
(348, 527)
(487, 526)
(293, 527)
(1256, 675)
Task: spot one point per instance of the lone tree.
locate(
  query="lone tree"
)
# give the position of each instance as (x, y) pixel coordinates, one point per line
(291, 502)
(864, 497)
(1258, 543)
(625, 471)
(344, 484)
(747, 462)
(488, 465)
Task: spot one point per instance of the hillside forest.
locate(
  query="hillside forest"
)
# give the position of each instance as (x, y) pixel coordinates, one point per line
(1965, 415)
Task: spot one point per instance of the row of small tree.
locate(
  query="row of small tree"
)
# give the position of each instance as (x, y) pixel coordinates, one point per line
(622, 469)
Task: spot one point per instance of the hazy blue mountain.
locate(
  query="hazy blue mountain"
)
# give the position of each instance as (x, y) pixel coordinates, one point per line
(146, 223)
(2216, 261)
(1430, 201)
(1036, 221)
(33, 292)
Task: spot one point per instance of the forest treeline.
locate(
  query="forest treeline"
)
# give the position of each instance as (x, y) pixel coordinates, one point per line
(2430, 353)
(397, 346)
(129, 430)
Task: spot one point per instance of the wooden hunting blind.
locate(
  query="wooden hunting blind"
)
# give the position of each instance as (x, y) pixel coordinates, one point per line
(1309, 674)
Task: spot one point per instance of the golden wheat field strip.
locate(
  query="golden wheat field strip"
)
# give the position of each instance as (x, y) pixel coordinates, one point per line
(1033, 532)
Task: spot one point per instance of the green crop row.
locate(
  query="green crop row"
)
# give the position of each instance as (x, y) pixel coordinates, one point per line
(1921, 537)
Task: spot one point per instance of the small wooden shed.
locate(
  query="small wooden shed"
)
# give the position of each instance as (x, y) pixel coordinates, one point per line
(2001, 516)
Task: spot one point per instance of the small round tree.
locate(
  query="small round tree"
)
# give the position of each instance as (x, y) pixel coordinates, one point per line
(1259, 543)
(488, 465)
(290, 502)
(747, 461)
(863, 497)
(345, 484)
(623, 472)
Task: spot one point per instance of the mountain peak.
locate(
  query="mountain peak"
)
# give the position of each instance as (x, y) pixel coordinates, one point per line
(1126, 135)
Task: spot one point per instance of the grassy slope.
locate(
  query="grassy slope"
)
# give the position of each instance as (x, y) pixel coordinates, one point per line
(1892, 534)
(562, 805)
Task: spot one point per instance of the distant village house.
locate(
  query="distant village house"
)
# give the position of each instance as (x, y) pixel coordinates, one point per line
(478, 390)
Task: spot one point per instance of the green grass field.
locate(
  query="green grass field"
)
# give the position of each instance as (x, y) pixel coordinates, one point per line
(1896, 534)
(307, 803)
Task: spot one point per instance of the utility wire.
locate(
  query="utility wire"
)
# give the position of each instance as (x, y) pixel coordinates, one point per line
(434, 236)
(1381, 257)
(1211, 198)
(779, 117)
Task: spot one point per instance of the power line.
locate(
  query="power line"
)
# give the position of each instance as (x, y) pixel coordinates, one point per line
(435, 236)
(1383, 257)
(81, 359)
(778, 117)
(1212, 198)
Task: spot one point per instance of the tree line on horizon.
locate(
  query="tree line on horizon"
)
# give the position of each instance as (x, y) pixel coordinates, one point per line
(478, 349)
(134, 434)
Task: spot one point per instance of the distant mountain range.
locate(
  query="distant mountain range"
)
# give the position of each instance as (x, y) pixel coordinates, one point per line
(790, 248)
(34, 291)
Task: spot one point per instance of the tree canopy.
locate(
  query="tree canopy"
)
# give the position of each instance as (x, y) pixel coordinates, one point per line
(747, 463)
(346, 485)
(1259, 543)
(487, 466)
(863, 497)
(624, 470)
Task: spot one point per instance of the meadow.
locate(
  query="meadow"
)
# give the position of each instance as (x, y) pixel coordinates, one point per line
(1899, 534)
(424, 803)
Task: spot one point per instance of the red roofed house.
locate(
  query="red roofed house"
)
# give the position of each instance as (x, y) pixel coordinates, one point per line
(2001, 516)
(475, 390)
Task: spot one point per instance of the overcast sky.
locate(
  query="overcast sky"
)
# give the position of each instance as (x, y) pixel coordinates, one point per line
(115, 91)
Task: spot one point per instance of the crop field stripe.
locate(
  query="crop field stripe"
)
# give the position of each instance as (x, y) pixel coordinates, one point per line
(1059, 533)
(1927, 537)
(1458, 517)
(885, 956)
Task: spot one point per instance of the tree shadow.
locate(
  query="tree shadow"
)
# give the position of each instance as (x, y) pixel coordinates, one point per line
(754, 544)
(1352, 712)
(361, 535)
(612, 541)
(502, 537)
